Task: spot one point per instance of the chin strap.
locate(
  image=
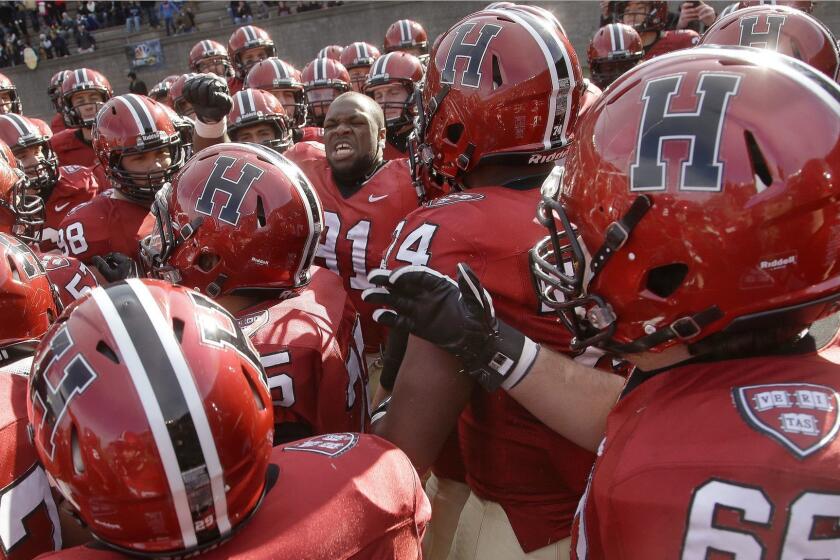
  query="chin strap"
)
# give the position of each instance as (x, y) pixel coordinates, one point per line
(618, 233)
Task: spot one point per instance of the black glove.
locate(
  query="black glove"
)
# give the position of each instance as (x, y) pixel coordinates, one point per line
(209, 96)
(458, 317)
(115, 267)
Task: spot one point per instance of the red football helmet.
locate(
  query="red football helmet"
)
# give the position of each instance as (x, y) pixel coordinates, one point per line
(22, 213)
(152, 414)
(69, 276)
(786, 30)
(485, 70)
(54, 89)
(802, 5)
(641, 16)
(255, 106)
(206, 55)
(7, 88)
(324, 79)
(27, 300)
(331, 51)
(20, 134)
(246, 38)
(238, 219)
(83, 79)
(358, 58)
(396, 68)
(160, 91)
(533, 10)
(615, 49)
(669, 246)
(406, 34)
(176, 96)
(277, 76)
(133, 124)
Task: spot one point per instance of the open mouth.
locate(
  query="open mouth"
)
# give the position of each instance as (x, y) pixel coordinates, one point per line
(342, 150)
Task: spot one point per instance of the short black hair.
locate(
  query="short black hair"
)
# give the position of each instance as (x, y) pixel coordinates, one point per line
(132, 74)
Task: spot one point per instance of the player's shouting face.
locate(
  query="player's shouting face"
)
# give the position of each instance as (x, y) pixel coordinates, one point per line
(353, 130)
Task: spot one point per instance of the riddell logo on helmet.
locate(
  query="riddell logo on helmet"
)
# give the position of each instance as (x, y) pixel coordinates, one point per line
(777, 263)
(538, 158)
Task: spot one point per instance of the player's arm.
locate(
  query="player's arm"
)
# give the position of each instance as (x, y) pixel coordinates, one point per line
(572, 399)
(210, 98)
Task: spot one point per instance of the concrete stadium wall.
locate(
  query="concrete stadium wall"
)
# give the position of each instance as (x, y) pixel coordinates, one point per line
(300, 36)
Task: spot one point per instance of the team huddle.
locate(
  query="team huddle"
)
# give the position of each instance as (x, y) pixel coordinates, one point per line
(447, 301)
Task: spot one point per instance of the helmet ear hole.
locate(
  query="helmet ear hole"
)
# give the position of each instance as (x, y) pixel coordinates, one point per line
(454, 132)
(261, 221)
(665, 280)
(207, 261)
(178, 328)
(497, 73)
(260, 404)
(13, 268)
(759, 164)
(103, 348)
(76, 451)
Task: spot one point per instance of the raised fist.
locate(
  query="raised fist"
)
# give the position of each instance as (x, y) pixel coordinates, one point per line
(209, 96)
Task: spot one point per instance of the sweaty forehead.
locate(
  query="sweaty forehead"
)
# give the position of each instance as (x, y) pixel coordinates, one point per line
(347, 106)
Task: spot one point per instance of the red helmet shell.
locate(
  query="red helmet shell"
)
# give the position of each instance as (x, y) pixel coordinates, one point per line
(331, 51)
(244, 209)
(6, 86)
(131, 124)
(614, 49)
(245, 38)
(502, 85)
(746, 227)
(164, 398)
(27, 300)
(255, 106)
(209, 50)
(781, 28)
(406, 34)
(82, 79)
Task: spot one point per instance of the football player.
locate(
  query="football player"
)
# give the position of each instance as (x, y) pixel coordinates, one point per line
(650, 19)
(160, 91)
(783, 29)
(525, 479)
(257, 116)
(83, 92)
(9, 99)
(363, 196)
(324, 79)
(140, 149)
(253, 254)
(408, 36)
(21, 211)
(392, 82)
(283, 81)
(31, 524)
(210, 57)
(724, 436)
(163, 443)
(357, 58)
(247, 46)
(54, 91)
(613, 50)
(61, 188)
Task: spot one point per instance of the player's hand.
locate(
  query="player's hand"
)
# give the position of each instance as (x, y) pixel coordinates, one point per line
(706, 14)
(688, 13)
(458, 317)
(115, 267)
(209, 96)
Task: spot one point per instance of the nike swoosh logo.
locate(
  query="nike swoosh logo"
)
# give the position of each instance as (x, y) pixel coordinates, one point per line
(373, 198)
(60, 207)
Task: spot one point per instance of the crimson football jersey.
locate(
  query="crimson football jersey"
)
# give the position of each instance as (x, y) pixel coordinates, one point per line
(57, 123)
(29, 523)
(71, 278)
(334, 496)
(103, 225)
(357, 229)
(311, 347)
(312, 134)
(71, 148)
(730, 459)
(670, 41)
(511, 458)
(75, 186)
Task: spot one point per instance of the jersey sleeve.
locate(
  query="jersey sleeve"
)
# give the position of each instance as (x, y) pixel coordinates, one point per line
(85, 232)
(29, 523)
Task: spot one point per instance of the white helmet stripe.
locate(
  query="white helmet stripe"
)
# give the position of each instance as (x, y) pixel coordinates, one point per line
(20, 124)
(194, 402)
(405, 30)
